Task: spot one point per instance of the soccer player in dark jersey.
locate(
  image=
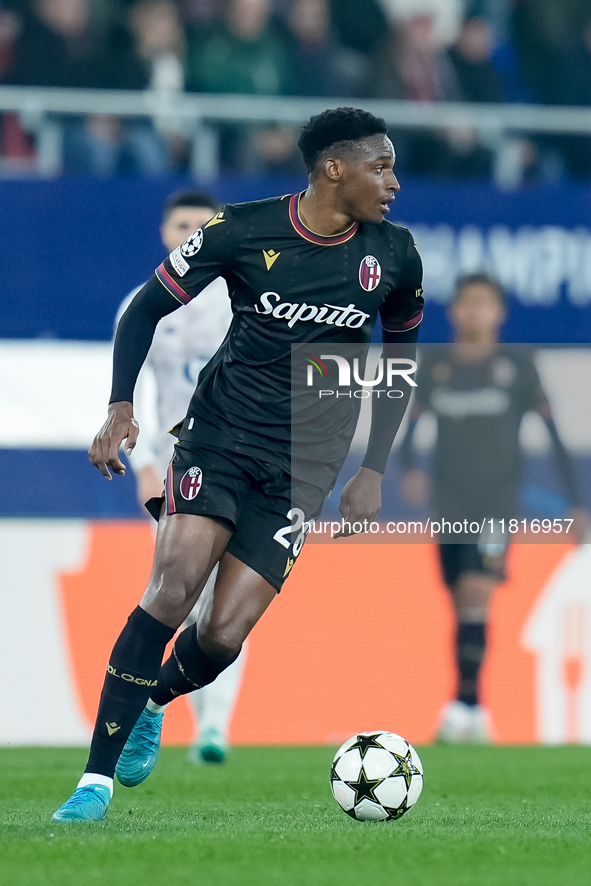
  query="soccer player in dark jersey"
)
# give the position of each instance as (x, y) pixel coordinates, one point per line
(308, 268)
(478, 391)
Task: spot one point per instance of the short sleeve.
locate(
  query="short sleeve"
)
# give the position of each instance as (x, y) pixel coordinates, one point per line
(204, 256)
(403, 307)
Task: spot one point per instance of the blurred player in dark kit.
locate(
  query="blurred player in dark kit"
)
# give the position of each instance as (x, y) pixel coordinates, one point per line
(183, 343)
(478, 391)
(302, 269)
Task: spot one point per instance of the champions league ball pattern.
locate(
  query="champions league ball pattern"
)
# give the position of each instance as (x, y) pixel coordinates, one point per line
(376, 776)
(192, 244)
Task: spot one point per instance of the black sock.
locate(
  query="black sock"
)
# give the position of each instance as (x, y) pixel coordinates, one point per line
(470, 652)
(187, 669)
(132, 673)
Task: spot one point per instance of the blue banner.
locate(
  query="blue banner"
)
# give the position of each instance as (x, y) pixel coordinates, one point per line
(71, 249)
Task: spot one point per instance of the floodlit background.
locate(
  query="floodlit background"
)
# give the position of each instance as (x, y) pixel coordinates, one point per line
(106, 106)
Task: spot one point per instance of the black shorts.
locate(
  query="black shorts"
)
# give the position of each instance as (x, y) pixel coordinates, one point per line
(265, 508)
(457, 559)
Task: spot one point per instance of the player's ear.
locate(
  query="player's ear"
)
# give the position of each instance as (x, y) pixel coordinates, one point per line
(333, 168)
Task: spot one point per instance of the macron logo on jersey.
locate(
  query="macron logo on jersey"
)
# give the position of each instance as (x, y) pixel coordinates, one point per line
(292, 312)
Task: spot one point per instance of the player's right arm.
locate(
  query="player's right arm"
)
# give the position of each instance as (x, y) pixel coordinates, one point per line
(132, 343)
(205, 255)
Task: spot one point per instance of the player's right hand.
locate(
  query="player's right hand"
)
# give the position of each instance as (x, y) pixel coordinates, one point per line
(119, 426)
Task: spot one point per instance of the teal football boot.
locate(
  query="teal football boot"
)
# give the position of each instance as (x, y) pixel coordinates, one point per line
(89, 803)
(211, 748)
(141, 749)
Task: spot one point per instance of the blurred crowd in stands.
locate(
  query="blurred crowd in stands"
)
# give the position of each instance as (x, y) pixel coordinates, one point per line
(425, 50)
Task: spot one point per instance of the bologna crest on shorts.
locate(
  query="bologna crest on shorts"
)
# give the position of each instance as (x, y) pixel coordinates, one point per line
(191, 483)
(370, 273)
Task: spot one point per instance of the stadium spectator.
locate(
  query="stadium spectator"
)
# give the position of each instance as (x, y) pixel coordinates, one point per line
(541, 30)
(245, 52)
(59, 45)
(160, 46)
(445, 15)
(549, 38)
(313, 51)
(471, 59)
(358, 27)
(199, 11)
(504, 57)
(411, 65)
(424, 50)
(8, 30)
(496, 12)
(415, 68)
(160, 42)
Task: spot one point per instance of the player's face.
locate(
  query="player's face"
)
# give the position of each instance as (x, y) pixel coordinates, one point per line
(181, 222)
(368, 182)
(477, 314)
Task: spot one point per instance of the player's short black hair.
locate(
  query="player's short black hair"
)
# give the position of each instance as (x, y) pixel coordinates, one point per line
(194, 199)
(336, 129)
(480, 279)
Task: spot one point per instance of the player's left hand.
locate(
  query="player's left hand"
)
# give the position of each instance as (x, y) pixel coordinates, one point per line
(361, 499)
(580, 526)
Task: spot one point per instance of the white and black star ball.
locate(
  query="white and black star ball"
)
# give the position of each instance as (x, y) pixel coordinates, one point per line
(192, 244)
(376, 776)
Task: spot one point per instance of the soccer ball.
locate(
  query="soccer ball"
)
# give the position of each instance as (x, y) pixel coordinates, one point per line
(376, 776)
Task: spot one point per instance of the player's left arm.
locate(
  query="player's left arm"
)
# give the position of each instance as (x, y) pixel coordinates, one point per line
(401, 315)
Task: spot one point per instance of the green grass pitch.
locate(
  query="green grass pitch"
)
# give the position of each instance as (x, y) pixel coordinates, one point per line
(487, 817)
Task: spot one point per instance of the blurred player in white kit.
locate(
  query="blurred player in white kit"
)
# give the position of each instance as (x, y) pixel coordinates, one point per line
(183, 343)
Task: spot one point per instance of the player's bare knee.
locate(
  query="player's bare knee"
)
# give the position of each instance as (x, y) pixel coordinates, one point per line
(171, 592)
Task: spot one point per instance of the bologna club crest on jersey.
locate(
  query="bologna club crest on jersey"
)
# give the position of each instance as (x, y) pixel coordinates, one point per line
(370, 273)
(191, 483)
